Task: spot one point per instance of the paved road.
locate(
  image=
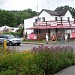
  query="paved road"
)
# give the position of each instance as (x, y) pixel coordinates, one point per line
(30, 45)
(23, 47)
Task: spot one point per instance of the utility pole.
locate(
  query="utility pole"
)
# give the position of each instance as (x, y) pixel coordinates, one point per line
(37, 19)
(37, 5)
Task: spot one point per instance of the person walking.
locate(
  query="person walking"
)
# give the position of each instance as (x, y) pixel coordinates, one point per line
(62, 38)
(47, 38)
(68, 38)
(53, 38)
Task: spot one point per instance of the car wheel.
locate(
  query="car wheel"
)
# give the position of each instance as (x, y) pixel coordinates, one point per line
(10, 44)
(18, 44)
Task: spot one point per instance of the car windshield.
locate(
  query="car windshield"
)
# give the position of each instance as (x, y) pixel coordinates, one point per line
(10, 36)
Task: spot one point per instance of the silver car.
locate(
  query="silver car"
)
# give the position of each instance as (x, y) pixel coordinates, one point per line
(10, 39)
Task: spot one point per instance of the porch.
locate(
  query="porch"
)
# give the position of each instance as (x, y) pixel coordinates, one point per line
(57, 27)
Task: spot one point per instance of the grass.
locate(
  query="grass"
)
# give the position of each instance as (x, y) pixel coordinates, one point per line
(37, 41)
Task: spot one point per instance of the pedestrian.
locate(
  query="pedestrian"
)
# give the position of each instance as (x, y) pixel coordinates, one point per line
(62, 38)
(26, 35)
(68, 38)
(53, 38)
(47, 38)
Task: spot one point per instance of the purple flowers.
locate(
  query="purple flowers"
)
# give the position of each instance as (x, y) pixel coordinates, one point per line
(52, 49)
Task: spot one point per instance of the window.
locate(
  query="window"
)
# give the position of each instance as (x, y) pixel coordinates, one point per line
(1, 36)
(68, 19)
(61, 20)
(43, 19)
(38, 19)
(35, 20)
(55, 18)
(12, 29)
(6, 37)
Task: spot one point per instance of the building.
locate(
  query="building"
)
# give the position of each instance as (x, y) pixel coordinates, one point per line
(29, 23)
(8, 29)
(52, 22)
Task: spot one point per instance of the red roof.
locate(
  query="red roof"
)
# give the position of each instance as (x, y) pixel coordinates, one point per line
(49, 27)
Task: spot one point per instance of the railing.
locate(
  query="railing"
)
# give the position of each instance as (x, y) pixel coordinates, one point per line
(55, 23)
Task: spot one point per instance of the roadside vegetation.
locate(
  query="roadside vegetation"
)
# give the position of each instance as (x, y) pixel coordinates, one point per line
(37, 61)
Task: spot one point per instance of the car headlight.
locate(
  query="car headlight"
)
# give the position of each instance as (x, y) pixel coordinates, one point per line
(13, 40)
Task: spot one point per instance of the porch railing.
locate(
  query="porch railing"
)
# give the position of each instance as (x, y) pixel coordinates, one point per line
(55, 23)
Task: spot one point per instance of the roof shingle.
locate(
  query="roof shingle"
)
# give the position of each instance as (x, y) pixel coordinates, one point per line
(56, 13)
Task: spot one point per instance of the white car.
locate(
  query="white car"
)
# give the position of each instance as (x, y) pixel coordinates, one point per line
(10, 39)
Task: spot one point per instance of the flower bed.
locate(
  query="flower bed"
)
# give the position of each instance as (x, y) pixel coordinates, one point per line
(38, 61)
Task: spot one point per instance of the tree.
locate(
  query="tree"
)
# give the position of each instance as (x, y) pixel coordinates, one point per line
(62, 8)
(72, 10)
(7, 18)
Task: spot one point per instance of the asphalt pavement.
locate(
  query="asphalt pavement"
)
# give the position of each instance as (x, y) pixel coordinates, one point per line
(68, 71)
(51, 43)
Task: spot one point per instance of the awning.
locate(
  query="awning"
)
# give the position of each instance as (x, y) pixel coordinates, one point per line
(50, 27)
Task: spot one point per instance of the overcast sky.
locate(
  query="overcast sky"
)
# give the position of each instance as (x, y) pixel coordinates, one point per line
(33, 4)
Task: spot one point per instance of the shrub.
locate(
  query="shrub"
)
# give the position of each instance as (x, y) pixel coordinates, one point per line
(8, 72)
(53, 59)
(38, 61)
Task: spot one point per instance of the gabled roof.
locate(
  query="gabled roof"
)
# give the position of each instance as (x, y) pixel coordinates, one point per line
(55, 13)
(62, 13)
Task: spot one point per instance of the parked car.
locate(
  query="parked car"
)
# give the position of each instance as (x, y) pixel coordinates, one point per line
(10, 39)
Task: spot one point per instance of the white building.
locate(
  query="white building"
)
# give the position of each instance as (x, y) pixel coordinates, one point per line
(8, 29)
(51, 22)
(29, 23)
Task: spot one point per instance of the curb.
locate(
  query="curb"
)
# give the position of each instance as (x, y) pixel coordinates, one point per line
(33, 43)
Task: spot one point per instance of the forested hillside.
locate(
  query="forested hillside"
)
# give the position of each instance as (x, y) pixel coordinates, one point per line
(14, 18)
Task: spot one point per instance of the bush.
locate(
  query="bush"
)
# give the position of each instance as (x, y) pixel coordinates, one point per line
(8, 72)
(53, 59)
(38, 61)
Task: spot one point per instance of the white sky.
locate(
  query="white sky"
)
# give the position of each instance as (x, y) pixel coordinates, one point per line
(32, 4)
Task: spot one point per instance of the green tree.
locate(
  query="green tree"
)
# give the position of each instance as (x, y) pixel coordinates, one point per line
(72, 10)
(7, 18)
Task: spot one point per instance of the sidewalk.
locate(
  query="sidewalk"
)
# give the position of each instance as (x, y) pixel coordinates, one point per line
(50, 42)
(68, 71)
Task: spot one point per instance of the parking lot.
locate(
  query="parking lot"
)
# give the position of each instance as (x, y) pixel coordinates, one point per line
(30, 45)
